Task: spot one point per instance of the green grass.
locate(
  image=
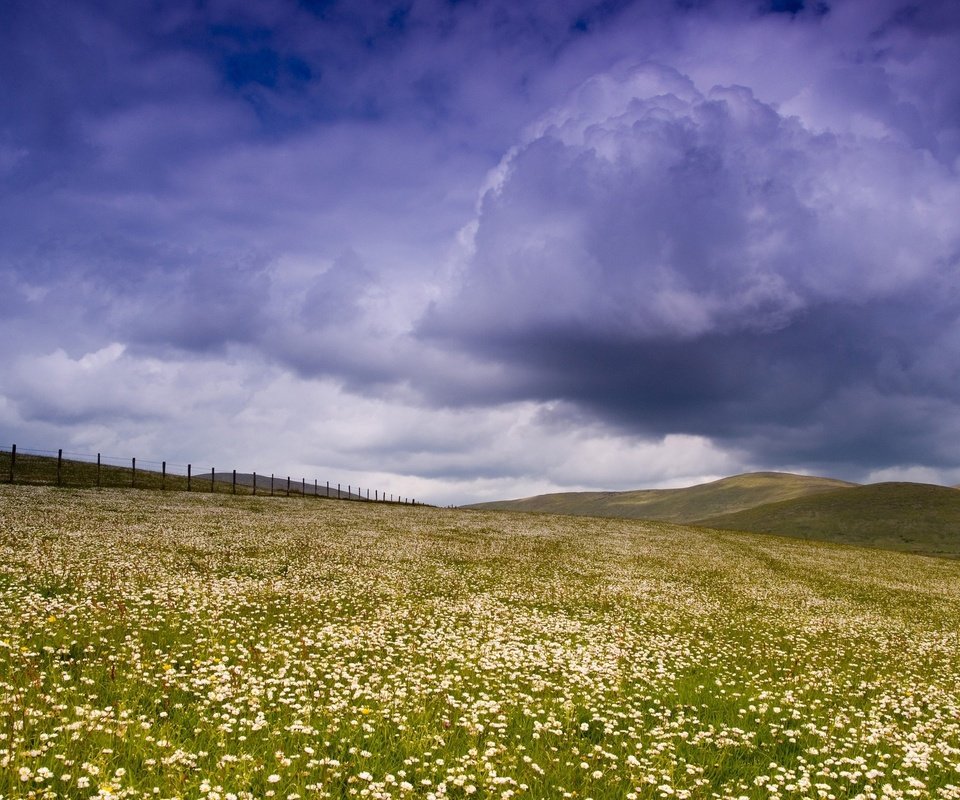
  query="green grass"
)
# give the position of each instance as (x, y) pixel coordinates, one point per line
(41, 469)
(188, 645)
(30, 468)
(676, 505)
(913, 517)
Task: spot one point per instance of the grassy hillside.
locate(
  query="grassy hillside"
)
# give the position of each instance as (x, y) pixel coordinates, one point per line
(165, 644)
(676, 505)
(43, 469)
(913, 517)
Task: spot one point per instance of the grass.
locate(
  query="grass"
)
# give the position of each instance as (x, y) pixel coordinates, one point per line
(40, 469)
(676, 505)
(914, 517)
(188, 645)
(31, 468)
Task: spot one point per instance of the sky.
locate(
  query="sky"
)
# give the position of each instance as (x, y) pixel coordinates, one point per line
(465, 250)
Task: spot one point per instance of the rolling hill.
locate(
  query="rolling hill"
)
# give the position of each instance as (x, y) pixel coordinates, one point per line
(689, 504)
(913, 517)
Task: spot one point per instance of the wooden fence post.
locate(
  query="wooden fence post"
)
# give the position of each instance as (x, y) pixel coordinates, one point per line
(254, 483)
(234, 481)
(13, 462)
(314, 487)
(271, 484)
(338, 491)
(163, 479)
(328, 488)
(133, 480)
(212, 475)
(288, 485)
(189, 475)
(59, 465)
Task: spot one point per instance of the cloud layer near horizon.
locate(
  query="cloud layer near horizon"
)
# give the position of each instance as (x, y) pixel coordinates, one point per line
(481, 249)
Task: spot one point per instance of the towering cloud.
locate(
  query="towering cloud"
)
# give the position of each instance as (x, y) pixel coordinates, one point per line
(687, 260)
(700, 237)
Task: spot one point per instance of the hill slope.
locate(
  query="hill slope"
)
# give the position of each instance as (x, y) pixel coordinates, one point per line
(692, 503)
(914, 517)
(74, 473)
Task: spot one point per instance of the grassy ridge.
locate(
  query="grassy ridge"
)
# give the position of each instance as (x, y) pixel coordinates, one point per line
(913, 517)
(39, 469)
(676, 505)
(184, 645)
(917, 518)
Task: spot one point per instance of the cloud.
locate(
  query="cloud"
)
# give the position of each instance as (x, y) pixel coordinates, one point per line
(693, 261)
(247, 414)
(714, 233)
(112, 386)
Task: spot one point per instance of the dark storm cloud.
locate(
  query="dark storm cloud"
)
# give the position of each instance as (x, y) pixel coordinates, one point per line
(679, 261)
(148, 153)
(159, 163)
(741, 226)
(833, 388)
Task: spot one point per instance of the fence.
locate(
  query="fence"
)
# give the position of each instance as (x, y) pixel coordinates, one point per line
(83, 470)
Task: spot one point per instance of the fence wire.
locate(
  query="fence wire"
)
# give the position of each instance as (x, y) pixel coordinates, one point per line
(85, 470)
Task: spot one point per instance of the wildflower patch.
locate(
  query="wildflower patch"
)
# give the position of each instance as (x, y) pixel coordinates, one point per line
(189, 646)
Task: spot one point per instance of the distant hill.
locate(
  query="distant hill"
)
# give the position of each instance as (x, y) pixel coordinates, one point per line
(689, 504)
(914, 517)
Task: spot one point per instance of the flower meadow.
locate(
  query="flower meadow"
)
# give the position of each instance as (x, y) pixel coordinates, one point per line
(172, 645)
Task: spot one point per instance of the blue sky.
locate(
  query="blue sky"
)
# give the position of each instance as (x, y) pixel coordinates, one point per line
(472, 250)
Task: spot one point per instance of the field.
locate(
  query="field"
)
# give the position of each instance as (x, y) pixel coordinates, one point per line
(913, 517)
(209, 646)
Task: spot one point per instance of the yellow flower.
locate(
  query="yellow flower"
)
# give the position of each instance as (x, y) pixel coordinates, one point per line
(51, 618)
(167, 667)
